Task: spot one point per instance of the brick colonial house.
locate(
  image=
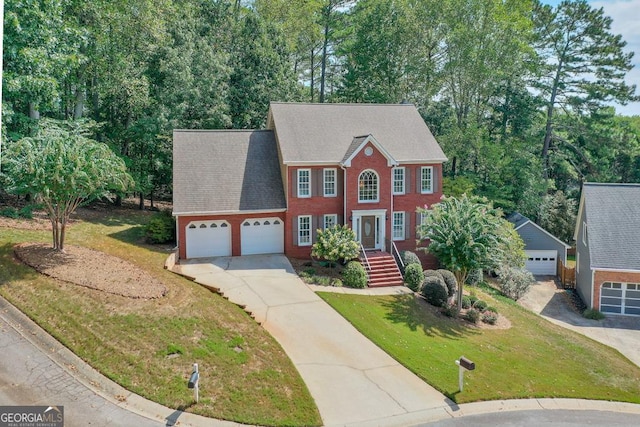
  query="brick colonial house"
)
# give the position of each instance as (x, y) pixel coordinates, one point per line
(607, 239)
(268, 191)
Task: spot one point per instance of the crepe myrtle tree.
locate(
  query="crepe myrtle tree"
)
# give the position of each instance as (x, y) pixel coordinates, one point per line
(337, 243)
(61, 167)
(467, 233)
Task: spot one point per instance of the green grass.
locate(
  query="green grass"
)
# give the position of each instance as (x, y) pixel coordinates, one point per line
(149, 346)
(533, 358)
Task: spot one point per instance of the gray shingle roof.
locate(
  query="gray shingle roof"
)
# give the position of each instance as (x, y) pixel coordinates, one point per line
(322, 133)
(226, 171)
(613, 225)
(517, 219)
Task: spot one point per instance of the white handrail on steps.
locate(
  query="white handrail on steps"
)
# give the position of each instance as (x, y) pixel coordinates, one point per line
(366, 260)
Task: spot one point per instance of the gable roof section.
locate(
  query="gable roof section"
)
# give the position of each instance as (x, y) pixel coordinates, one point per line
(613, 225)
(226, 171)
(358, 144)
(322, 133)
(518, 220)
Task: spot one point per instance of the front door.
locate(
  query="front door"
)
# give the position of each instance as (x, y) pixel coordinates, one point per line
(368, 232)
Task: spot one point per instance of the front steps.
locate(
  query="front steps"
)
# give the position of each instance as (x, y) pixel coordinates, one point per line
(384, 269)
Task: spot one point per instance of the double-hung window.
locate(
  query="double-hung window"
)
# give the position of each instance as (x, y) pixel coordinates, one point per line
(304, 230)
(398, 180)
(304, 182)
(426, 179)
(398, 226)
(330, 220)
(329, 182)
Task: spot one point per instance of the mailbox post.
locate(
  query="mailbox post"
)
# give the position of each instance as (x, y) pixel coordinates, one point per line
(194, 380)
(464, 365)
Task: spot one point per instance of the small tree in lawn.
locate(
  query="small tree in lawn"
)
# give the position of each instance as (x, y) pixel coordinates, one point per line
(465, 234)
(61, 167)
(336, 243)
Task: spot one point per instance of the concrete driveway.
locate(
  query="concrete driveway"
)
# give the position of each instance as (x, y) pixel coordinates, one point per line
(619, 332)
(352, 380)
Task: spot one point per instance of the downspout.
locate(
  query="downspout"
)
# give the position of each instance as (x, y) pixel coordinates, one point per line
(344, 194)
(391, 215)
(593, 290)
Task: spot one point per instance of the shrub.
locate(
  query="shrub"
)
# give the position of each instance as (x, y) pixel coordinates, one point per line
(450, 281)
(473, 299)
(474, 277)
(514, 282)
(9, 212)
(472, 315)
(354, 275)
(592, 313)
(413, 276)
(434, 291)
(490, 318)
(161, 228)
(492, 309)
(480, 305)
(336, 282)
(451, 311)
(337, 243)
(309, 271)
(433, 273)
(466, 302)
(409, 258)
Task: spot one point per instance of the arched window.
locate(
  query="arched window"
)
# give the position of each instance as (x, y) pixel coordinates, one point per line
(368, 186)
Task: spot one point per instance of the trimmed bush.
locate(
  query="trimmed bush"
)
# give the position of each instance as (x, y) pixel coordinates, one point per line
(474, 277)
(450, 280)
(490, 318)
(9, 212)
(433, 273)
(592, 313)
(514, 282)
(413, 276)
(434, 291)
(472, 315)
(492, 309)
(473, 299)
(354, 275)
(466, 302)
(161, 228)
(409, 258)
(480, 305)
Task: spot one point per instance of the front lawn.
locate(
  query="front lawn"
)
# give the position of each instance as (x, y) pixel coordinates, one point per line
(149, 346)
(534, 358)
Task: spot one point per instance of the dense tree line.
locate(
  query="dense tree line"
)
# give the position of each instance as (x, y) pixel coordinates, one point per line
(516, 92)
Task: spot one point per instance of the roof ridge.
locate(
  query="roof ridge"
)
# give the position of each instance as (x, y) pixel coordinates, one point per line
(222, 130)
(612, 184)
(343, 104)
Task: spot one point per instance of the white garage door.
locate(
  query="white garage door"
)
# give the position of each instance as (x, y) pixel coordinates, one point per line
(262, 236)
(620, 298)
(208, 239)
(542, 262)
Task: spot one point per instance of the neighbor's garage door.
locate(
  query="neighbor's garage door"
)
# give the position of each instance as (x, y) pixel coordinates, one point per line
(262, 236)
(542, 262)
(208, 239)
(620, 298)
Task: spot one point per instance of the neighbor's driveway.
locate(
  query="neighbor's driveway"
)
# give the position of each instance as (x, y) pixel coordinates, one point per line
(351, 379)
(619, 332)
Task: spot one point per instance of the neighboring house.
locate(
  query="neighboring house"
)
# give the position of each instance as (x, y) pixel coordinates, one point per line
(543, 249)
(316, 165)
(608, 247)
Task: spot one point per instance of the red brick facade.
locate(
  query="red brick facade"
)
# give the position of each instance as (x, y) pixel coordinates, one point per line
(600, 277)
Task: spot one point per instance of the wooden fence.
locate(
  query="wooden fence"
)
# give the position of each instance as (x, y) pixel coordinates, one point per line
(567, 275)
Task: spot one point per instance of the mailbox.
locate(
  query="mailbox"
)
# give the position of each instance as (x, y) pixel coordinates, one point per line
(467, 364)
(193, 381)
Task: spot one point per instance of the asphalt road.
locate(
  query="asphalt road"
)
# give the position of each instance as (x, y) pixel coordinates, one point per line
(29, 377)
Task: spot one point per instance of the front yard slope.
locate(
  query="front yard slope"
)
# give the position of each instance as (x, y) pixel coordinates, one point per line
(534, 358)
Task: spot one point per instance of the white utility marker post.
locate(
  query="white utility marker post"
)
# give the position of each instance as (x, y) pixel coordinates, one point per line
(194, 381)
(465, 365)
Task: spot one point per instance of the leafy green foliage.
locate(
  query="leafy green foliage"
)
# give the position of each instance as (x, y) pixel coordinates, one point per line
(466, 302)
(514, 282)
(161, 228)
(474, 277)
(434, 291)
(337, 243)
(409, 257)
(62, 167)
(472, 315)
(413, 276)
(354, 275)
(558, 215)
(592, 313)
(489, 318)
(480, 305)
(450, 280)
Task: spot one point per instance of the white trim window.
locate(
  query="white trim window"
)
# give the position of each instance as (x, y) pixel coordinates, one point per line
(426, 179)
(329, 182)
(368, 187)
(304, 230)
(398, 225)
(304, 182)
(398, 180)
(330, 220)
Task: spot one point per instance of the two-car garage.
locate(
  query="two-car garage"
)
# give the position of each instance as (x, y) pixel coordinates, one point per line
(213, 238)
